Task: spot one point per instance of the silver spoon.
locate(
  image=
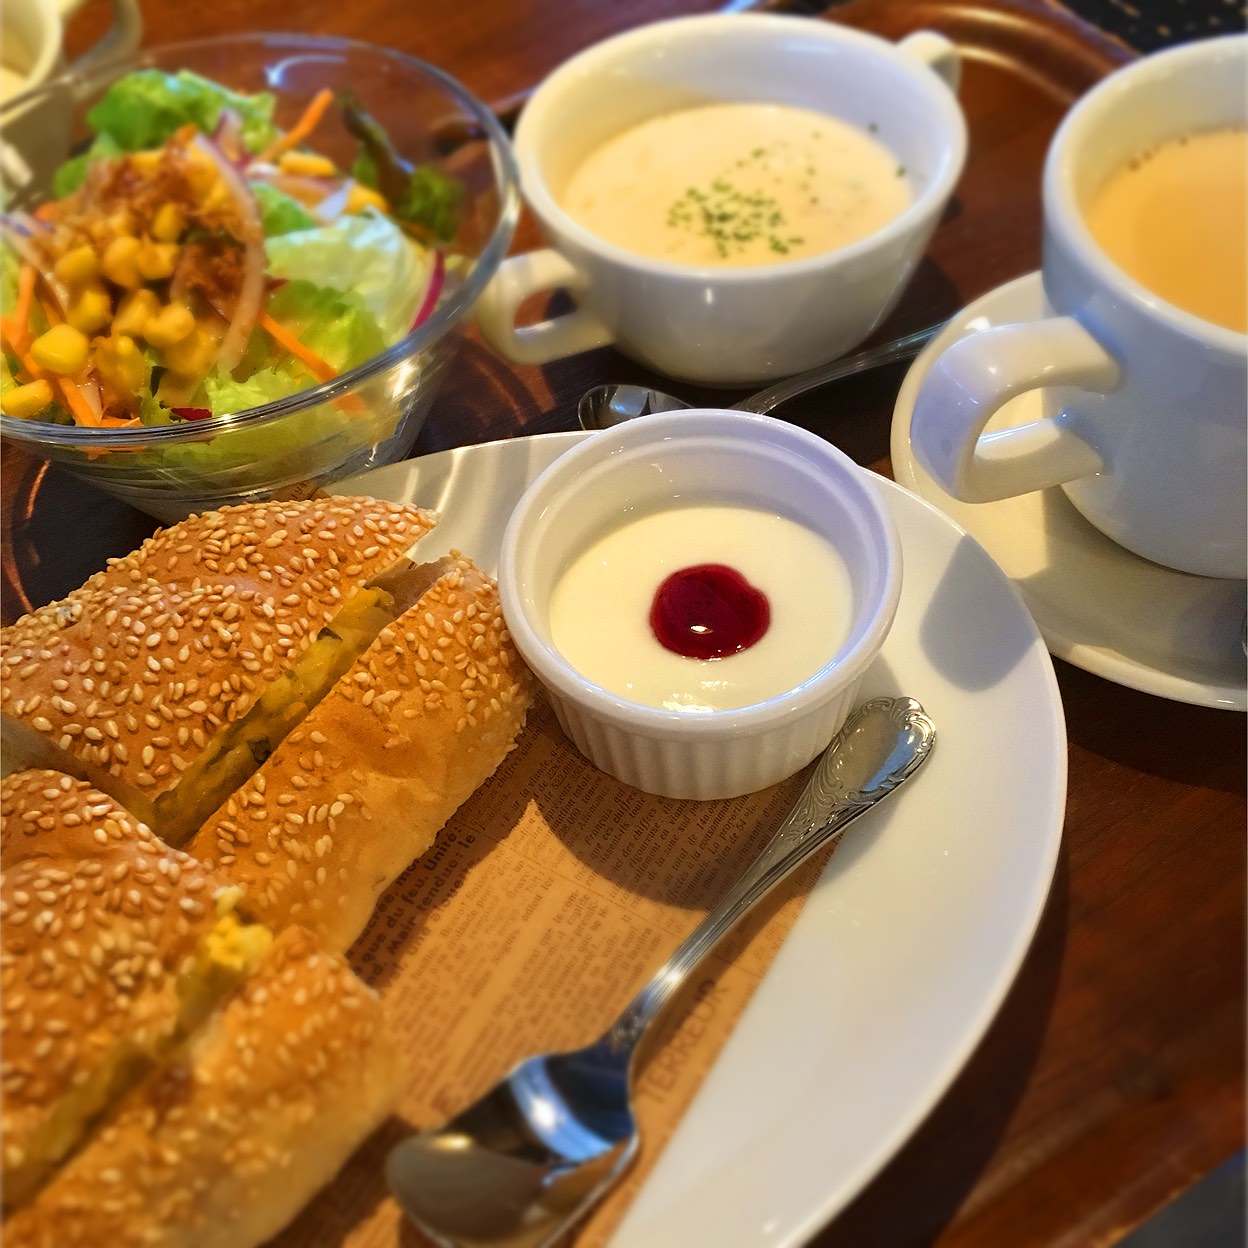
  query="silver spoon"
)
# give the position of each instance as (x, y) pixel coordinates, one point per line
(521, 1165)
(608, 405)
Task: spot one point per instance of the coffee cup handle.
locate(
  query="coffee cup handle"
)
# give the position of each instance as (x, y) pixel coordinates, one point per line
(936, 52)
(518, 278)
(976, 376)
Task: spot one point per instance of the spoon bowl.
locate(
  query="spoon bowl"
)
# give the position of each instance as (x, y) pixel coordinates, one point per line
(521, 1165)
(614, 403)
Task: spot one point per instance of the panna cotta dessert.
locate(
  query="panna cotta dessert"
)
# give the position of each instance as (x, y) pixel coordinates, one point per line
(700, 593)
(737, 184)
(705, 607)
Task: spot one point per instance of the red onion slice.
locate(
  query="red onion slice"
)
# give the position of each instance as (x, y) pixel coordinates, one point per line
(436, 281)
(251, 291)
(19, 240)
(303, 190)
(228, 137)
(332, 206)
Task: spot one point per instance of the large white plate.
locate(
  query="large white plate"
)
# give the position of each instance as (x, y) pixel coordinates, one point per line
(906, 947)
(1096, 604)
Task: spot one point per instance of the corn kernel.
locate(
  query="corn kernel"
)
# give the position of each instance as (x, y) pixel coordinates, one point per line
(191, 357)
(201, 174)
(156, 260)
(79, 266)
(91, 310)
(218, 195)
(63, 349)
(360, 197)
(136, 309)
(306, 165)
(120, 362)
(121, 222)
(23, 402)
(168, 222)
(120, 261)
(146, 162)
(169, 325)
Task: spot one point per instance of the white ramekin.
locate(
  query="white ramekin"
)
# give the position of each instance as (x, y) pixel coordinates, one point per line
(723, 457)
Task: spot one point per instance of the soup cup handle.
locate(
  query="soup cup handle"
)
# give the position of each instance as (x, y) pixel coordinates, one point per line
(518, 278)
(975, 377)
(936, 52)
(120, 39)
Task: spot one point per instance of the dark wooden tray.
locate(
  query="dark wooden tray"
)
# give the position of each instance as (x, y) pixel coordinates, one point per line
(1112, 1077)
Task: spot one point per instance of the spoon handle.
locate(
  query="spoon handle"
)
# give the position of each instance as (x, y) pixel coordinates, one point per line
(882, 743)
(899, 349)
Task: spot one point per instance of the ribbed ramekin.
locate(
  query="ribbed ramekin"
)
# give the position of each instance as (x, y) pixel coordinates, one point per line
(719, 456)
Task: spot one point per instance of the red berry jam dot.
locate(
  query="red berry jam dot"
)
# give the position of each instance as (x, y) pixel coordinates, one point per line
(708, 611)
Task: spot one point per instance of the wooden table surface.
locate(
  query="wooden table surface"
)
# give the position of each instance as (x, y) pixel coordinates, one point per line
(1113, 1077)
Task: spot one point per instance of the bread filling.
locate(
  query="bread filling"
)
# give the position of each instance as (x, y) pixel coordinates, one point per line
(225, 958)
(239, 748)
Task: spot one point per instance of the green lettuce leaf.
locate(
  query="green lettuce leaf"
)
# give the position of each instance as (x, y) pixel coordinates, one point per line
(279, 214)
(223, 394)
(339, 328)
(143, 109)
(69, 177)
(428, 196)
(10, 265)
(336, 324)
(152, 411)
(386, 271)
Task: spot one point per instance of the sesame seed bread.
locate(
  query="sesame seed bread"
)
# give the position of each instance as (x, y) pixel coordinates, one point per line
(361, 787)
(127, 681)
(224, 1145)
(97, 917)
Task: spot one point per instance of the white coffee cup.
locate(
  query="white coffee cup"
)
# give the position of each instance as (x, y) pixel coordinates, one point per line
(32, 32)
(732, 324)
(1146, 405)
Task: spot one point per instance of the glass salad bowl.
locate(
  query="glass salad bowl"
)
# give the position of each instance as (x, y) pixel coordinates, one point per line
(390, 196)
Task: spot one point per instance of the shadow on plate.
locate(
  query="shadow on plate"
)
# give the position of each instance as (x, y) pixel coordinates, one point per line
(951, 631)
(949, 1153)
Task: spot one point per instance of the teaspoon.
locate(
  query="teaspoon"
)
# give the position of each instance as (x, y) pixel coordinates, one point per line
(607, 405)
(519, 1166)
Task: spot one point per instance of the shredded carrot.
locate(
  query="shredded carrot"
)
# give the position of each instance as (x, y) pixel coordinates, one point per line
(302, 128)
(319, 367)
(14, 336)
(31, 369)
(49, 310)
(79, 408)
(25, 298)
(46, 212)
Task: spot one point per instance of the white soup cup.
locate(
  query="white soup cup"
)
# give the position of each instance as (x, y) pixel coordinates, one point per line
(35, 136)
(724, 326)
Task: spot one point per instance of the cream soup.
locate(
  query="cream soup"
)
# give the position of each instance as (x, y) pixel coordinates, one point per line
(601, 610)
(737, 184)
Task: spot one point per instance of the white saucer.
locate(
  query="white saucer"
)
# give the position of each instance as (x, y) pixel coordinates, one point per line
(1097, 605)
(899, 959)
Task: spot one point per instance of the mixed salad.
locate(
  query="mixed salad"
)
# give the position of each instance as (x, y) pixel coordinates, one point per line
(196, 260)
